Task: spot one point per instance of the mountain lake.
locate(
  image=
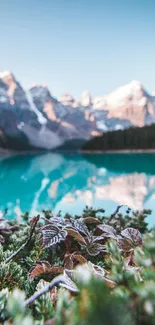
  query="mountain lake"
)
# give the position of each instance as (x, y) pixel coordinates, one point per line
(69, 182)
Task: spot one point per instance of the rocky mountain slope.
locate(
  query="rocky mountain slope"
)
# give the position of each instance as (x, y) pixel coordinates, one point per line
(35, 119)
(128, 105)
(130, 102)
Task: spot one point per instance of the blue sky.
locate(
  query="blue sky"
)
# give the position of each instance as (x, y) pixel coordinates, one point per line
(73, 45)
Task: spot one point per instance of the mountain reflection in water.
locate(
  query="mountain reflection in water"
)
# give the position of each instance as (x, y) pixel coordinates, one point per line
(70, 182)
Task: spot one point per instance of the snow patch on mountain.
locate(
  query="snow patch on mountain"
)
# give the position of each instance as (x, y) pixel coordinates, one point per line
(48, 122)
(119, 96)
(43, 138)
(4, 74)
(85, 99)
(41, 118)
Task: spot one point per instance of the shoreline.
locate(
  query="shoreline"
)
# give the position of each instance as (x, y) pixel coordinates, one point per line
(7, 153)
(118, 151)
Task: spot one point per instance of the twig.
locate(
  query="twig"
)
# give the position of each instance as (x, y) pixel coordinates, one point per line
(5, 212)
(34, 222)
(64, 280)
(58, 279)
(114, 213)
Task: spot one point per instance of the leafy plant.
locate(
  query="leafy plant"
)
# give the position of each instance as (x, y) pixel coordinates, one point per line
(88, 269)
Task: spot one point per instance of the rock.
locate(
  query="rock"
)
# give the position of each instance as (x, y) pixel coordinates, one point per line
(47, 104)
(11, 92)
(74, 120)
(45, 122)
(130, 102)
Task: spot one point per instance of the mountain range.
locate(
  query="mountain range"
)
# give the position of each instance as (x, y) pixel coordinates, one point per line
(34, 119)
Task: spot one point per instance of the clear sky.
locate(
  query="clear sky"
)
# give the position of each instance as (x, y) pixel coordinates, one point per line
(73, 45)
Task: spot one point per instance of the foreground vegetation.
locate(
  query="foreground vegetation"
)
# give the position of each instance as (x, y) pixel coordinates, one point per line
(133, 138)
(90, 269)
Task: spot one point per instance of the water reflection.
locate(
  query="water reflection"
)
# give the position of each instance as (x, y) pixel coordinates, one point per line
(69, 182)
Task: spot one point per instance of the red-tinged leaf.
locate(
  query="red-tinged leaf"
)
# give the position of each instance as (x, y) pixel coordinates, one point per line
(40, 268)
(68, 262)
(109, 283)
(52, 235)
(108, 231)
(76, 235)
(95, 249)
(71, 258)
(56, 269)
(125, 244)
(79, 258)
(44, 268)
(91, 220)
(134, 235)
(35, 220)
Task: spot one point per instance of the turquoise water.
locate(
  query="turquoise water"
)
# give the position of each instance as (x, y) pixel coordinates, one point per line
(69, 182)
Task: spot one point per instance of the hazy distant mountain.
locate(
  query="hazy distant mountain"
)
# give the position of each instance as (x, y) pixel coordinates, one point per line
(36, 119)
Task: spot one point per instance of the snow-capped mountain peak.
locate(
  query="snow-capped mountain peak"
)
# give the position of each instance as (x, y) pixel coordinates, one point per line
(67, 99)
(4, 74)
(134, 89)
(45, 120)
(130, 102)
(11, 91)
(85, 99)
